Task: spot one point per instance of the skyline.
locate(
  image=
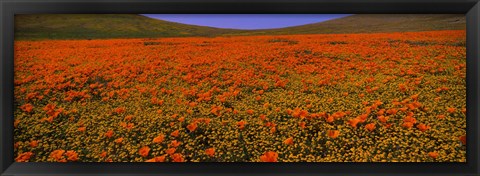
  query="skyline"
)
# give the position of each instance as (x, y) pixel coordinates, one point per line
(244, 21)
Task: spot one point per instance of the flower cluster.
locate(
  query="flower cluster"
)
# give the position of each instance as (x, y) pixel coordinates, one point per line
(389, 97)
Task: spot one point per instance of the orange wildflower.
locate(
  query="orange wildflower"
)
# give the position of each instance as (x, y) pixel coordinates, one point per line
(410, 119)
(27, 107)
(370, 126)
(170, 151)
(177, 157)
(288, 141)
(463, 139)
(451, 110)
(407, 124)
(434, 155)
(422, 127)
(71, 155)
(191, 127)
(269, 157)
(382, 119)
(119, 140)
(333, 133)
(119, 110)
(82, 129)
(241, 124)
(159, 139)
(57, 154)
(302, 125)
(33, 144)
(109, 134)
(24, 157)
(103, 154)
(353, 122)
(144, 151)
(175, 143)
(175, 133)
(210, 152)
(157, 159)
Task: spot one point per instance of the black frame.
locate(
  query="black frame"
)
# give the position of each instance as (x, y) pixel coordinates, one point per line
(10, 7)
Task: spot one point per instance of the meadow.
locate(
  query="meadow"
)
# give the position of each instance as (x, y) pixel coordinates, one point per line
(382, 97)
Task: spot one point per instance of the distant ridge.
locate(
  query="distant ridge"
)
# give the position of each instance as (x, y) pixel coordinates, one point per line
(374, 23)
(95, 26)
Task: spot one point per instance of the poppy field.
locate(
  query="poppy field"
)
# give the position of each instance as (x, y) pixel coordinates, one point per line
(383, 97)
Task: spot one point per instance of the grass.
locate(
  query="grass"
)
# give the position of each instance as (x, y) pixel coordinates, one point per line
(104, 26)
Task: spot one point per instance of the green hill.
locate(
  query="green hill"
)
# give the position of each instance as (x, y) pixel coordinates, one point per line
(92, 26)
(374, 23)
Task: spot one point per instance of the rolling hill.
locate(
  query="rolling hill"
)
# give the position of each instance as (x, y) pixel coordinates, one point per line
(92, 26)
(374, 23)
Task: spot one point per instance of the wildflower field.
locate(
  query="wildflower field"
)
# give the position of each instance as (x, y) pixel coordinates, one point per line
(384, 97)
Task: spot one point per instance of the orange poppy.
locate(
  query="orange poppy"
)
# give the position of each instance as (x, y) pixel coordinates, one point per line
(410, 119)
(330, 119)
(177, 157)
(157, 159)
(119, 110)
(57, 154)
(422, 127)
(128, 118)
(269, 157)
(273, 129)
(181, 119)
(288, 141)
(382, 119)
(263, 117)
(191, 127)
(159, 139)
(241, 124)
(175, 133)
(82, 129)
(407, 124)
(109, 134)
(210, 152)
(302, 125)
(144, 151)
(71, 155)
(170, 151)
(333, 133)
(27, 107)
(119, 140)
(370, 126)
(33, 144)
(103, 154)
(463, 139)
(353, 122)
(15, 123)
(451, 110)
(175, 143)
(434, 155)
(24, 157)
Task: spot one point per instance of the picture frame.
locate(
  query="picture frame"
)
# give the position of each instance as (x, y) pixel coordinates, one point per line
(8, 8)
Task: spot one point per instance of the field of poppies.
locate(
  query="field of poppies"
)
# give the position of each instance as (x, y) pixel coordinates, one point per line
(385, 97)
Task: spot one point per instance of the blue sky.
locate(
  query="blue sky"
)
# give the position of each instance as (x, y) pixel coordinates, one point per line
(246, 21)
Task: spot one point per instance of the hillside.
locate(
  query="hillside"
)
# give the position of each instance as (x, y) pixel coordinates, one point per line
(91, 26)
(374, 23)
(86, 26)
